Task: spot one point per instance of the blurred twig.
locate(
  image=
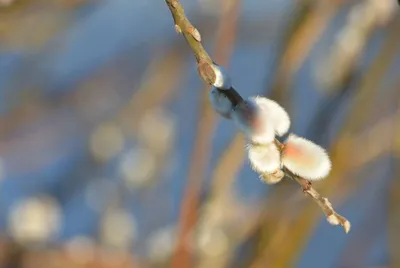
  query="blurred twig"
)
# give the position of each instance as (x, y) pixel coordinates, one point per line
(163, 71)
(350, 41)
(394, 196)
(354, 254)
(221, 199)
(363, 20)
(17, 20)
(370, 83)
(308, 23)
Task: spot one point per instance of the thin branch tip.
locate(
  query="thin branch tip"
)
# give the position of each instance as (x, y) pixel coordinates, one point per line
(347, 226)
(333, 219)
(336, 219)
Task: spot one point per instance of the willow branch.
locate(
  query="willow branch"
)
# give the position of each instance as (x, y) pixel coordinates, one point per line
(192, 35)
(206, 73)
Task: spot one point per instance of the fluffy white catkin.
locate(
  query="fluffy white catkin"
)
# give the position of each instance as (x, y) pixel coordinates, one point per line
(261, 119)
(277, 115)
(253, 122)
(264, 158)
(305, 158)
(220, 102)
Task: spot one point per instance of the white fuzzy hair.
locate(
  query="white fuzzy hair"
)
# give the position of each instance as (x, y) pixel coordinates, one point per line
(261, 119)
(264, 158)
(305, 158)
(276, 114)
(253, 122)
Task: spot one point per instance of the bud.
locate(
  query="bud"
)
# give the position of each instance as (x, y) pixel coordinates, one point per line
(278, 116)
(222, 78)
(220, 102)
(195, 33)
(305, 158)
(264, 158)
(272, 178)
(178, 29)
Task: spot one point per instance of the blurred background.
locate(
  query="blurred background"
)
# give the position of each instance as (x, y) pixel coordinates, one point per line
(110, 155)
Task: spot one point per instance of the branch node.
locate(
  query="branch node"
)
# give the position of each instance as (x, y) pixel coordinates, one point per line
(195, 33)
(178, 29)
(206, 72)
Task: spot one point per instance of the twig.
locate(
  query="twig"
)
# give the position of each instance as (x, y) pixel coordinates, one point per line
(207, 74)
(332, 216)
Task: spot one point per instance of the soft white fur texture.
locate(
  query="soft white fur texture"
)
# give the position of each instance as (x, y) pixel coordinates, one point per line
(220, 103)
(305, 158)
(264, 158)
(276, 114)
(253, 122)
(261, 119)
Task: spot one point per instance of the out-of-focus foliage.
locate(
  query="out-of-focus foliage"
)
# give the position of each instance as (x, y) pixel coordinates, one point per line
(100, 109)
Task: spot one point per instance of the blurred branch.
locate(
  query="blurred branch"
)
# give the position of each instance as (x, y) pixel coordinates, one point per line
(355, 253)
(372, 78)
(222, 199)
(362, 21)
(158, 87)
(394, 194)
(365, 149)
(308, 22)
